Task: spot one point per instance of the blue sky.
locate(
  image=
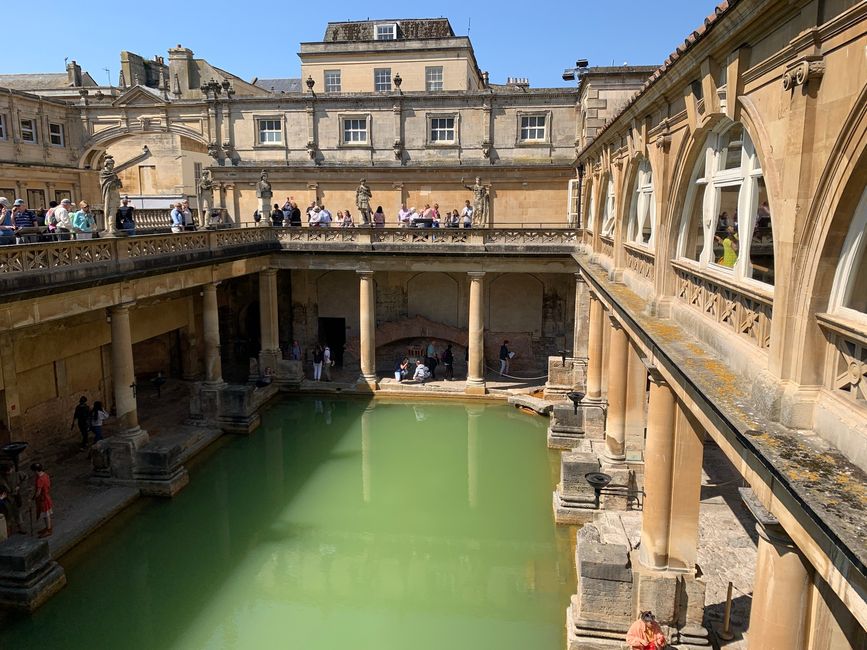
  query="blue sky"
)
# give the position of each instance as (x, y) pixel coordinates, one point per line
(260, 37)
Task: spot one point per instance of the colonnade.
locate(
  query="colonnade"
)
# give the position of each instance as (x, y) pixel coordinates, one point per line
(640, 400)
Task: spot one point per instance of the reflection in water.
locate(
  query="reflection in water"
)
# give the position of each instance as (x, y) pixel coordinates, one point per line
(448, 543)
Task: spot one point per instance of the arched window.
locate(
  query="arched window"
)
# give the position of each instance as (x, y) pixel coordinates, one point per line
(727, 219)
(642, 212)
(849, 295)
(608, 210)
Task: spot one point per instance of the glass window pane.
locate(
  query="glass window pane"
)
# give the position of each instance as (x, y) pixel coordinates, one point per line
(726, 237)
(731, 145)
(762, 242)
(694, 235)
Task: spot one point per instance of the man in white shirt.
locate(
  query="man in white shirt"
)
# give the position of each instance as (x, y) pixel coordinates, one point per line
(64, 221)
(315, 217)
(327, 362)
(467, 212)
(403, 216)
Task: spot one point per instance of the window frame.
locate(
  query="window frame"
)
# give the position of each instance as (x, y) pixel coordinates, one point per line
(715, 179)
(852, 255)
(590, 219)
(428, 69)
(545, 140)
(4, 131)
(456, 121)
(325, 83)
(366, 118)
(61, 133)
(33, 129)
(392, 27)
(608, 225)
(278, 120)
(642, 206)
(573, 203)
(376, 83)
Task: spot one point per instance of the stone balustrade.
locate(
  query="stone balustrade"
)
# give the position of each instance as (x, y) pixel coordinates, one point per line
(29, 267)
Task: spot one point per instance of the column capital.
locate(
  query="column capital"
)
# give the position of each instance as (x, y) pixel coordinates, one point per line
(579, 277)
(767, 525)
(121, 307)
(615, 323)
(476, 274)
(268, 271)
(365, 273)
(656, 377)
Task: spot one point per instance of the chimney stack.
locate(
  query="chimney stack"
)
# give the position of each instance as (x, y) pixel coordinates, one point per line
(73, 74)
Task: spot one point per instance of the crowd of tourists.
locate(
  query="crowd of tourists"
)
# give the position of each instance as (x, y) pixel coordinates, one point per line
(318, 216)
(61, 220)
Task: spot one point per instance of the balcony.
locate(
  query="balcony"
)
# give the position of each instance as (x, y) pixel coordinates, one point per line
(49, 265)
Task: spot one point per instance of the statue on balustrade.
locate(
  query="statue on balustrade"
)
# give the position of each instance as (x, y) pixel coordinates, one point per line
(110, 184)
(263, 187)
(362, 200)
(206, 197)
(481, 202)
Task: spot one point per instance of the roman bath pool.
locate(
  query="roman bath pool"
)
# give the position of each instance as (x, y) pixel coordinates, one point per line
(339, 523)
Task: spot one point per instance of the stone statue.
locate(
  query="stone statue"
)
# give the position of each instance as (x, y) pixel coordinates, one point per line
(362, 200)
(110, 184)
(264, 194)
(481, 200)
(206, 197)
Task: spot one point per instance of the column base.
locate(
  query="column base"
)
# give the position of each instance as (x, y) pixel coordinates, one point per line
(574, 500)
(613, 588)
(367, 383)
(476, 387)
(566, 428)
(28, 575)
(133, 461)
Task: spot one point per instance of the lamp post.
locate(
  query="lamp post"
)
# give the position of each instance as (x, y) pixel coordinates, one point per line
(577, 399)
(310, 83)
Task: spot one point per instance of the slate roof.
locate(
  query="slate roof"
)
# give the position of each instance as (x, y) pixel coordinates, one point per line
(287, 85)
(42, 81)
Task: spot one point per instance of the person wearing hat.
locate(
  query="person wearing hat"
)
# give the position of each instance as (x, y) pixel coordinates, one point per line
(7, 227)
(124, 218)
(63, 219)
(23, 218)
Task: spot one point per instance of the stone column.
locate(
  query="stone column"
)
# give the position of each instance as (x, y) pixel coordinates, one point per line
(476, 337)
(658, 471)
(269, 354)
(594, 350)
(781, 592)
(123, 370)
(636, 398)
(580, 334)
(211, 335)
(618, 365)
(367, 318)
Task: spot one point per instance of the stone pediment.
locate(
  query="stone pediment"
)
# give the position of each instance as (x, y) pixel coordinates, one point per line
(139, 96)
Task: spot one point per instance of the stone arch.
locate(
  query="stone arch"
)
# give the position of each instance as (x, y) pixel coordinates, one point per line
(95, 146)
(505, 313)
(827, 224)
(433, 296)
(629, 202)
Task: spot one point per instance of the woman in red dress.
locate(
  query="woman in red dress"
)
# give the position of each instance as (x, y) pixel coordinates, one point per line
(42, 497)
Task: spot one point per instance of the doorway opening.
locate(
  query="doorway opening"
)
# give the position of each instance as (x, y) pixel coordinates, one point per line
(333, 332)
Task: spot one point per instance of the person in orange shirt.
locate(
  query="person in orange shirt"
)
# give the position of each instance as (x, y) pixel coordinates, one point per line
(645, 633)
(42, 497)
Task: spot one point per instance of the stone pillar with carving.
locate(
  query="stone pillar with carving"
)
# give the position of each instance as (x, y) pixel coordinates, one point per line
(476, 336)
(269, 355)
(367, 317)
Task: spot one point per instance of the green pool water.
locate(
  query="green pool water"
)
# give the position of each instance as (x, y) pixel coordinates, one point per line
(338, 524)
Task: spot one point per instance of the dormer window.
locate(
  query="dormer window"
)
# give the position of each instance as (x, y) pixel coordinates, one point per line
(386, 32)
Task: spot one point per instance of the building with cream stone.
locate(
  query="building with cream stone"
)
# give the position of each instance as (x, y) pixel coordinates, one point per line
(704, 285)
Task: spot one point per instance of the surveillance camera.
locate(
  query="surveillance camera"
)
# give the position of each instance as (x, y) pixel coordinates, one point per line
(569, 75)
(581, 63)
